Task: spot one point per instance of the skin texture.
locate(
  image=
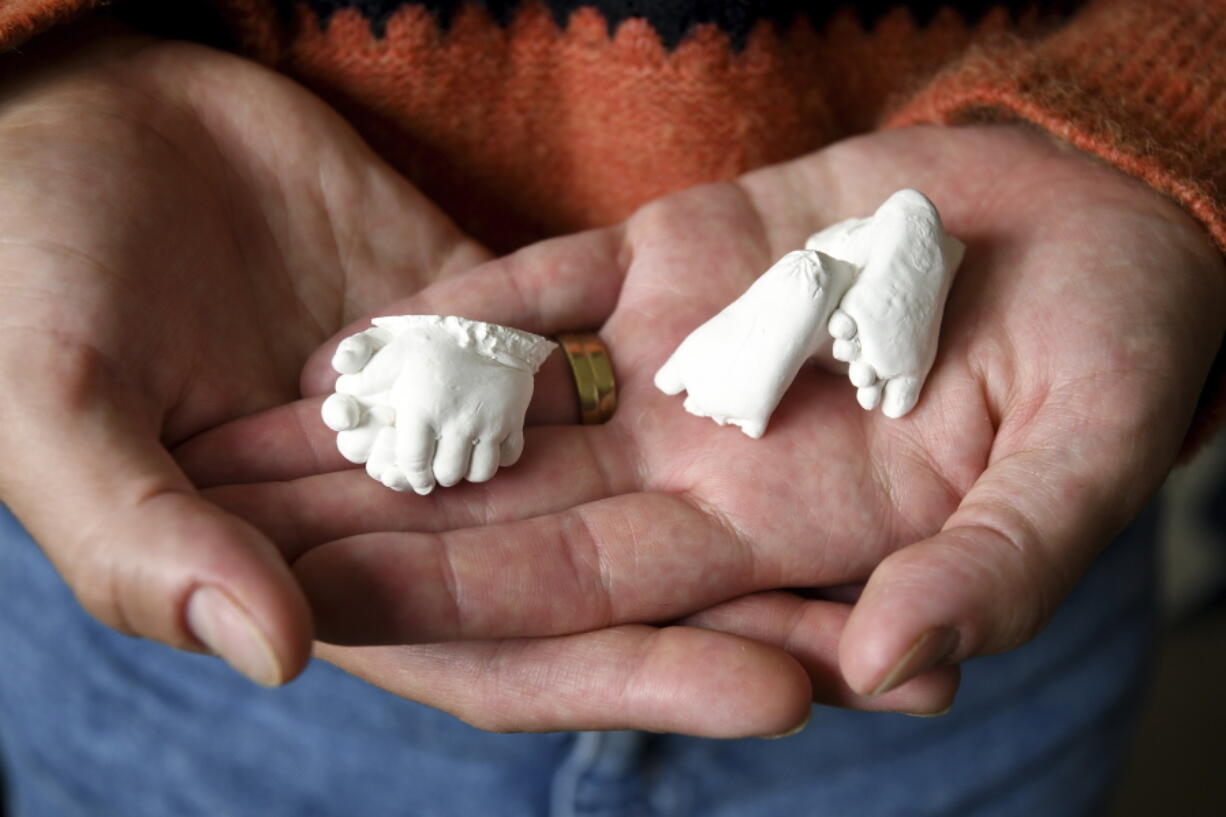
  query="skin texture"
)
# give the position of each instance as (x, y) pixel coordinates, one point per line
(236, 224)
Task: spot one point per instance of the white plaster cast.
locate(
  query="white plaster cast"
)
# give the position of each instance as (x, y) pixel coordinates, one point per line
(736, 366)
(877, 285)
(887, 325)
(428, 399)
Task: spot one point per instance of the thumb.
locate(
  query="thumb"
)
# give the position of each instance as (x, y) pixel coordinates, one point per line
(993, 577)
(142, 551)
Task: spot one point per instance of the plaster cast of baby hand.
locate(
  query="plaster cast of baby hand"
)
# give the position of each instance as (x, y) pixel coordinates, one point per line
(887, 325)
(426, 399)
(736, 366)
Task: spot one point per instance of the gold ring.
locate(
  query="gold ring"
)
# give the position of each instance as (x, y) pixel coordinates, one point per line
(593, 371)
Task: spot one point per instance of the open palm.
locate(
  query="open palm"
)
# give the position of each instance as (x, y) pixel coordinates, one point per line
(1075, 342)
(179, 229)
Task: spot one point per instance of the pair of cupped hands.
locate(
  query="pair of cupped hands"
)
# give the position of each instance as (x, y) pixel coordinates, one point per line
(185, 237)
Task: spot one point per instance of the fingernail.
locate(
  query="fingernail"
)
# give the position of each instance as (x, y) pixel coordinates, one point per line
(942, 713)
(224, 627)
(928, 650)
(795, 730)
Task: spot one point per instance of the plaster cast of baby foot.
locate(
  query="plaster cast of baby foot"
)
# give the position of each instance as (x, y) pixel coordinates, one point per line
(426, 399)
(736, 366)
(887, 325)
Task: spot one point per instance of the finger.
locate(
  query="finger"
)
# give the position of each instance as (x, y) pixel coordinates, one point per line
(553, 286)
(993, 576)
(677, 679)
(341, 412)
(381, 465)
(355, 445)
(355, 351)
(565, 467)
(415, 447)
(485, 461)
(142, 551)
(639, 557)
(809, 631)
(511, 449)
(292, 441)
(451, 458)
(373, 380)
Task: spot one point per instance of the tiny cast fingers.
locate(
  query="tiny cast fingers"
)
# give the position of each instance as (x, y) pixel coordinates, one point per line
(355, 445)
(341, 412)
(451, 458)
(382, 464)
(355, 351)
(512, 448)
(415, 455)
(485, 459)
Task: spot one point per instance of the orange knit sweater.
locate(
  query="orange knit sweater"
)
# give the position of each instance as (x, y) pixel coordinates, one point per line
(526, 118)
(522, 124)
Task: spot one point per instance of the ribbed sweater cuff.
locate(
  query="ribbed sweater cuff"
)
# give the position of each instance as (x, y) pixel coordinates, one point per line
(1139, 83)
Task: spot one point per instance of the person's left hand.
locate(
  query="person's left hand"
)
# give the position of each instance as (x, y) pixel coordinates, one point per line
(1075, 343)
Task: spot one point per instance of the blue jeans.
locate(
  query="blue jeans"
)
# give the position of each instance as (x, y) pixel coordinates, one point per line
(94, 724)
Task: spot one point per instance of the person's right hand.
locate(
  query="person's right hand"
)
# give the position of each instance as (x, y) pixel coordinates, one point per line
(179, 229)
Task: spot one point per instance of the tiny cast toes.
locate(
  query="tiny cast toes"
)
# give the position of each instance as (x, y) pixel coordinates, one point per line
(901, 395)
(869, 397)
(887, 324)
(845, 350)
(861, 374)
(842, 326)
